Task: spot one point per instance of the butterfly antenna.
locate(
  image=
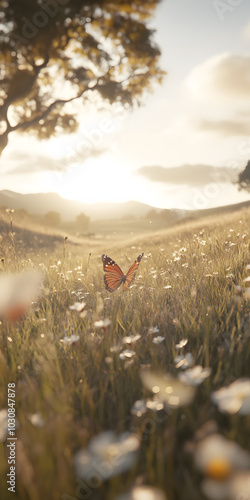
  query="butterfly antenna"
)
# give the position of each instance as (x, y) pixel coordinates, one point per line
(127, 257)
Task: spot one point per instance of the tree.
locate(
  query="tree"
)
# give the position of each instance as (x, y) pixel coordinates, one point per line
(244, 178)
(82, 221)
(52, 219)
(53, 52)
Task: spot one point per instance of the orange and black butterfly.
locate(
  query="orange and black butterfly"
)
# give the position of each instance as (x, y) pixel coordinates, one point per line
(114, 276)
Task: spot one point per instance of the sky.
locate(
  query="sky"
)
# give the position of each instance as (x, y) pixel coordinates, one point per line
(183, 148)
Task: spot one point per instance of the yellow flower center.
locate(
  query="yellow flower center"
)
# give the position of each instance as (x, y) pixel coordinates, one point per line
(218, 469)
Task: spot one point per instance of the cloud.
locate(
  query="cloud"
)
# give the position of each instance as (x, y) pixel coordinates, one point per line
(226, 128)
(225, 75)
(191, 175)
(246, 32)
(37, 164)
(42, 163)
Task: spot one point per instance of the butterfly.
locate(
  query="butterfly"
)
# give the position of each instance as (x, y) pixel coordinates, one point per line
(114, 276)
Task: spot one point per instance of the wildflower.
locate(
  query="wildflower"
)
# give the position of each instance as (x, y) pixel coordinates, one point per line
(70, 340)
(107, 456)
(79, 307)
(143, 493)
(41, 320)
(168, 389)
(109, 360)
(219, 460)
(235, 398)
(195, 375)
(158, 340)
(217, 456)
(102, 323)
(127, 354)
(176, 322)
(131, 339)
(181, 344)
(36, 419)
(184, 362)
(153, 329)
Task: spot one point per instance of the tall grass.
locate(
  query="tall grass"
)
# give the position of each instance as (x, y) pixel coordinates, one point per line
(185, 286)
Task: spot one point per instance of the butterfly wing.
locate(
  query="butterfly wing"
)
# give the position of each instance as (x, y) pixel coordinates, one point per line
(114, 275)
(132, 271)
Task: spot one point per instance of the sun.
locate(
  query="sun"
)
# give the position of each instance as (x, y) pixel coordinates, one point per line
(102, 180)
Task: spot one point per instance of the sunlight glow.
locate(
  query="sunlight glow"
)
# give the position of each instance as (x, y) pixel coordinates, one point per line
(100, 181)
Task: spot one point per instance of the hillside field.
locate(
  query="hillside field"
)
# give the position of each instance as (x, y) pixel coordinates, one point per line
(107, 404)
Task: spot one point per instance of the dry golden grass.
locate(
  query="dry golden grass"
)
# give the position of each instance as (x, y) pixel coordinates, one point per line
(185, 286)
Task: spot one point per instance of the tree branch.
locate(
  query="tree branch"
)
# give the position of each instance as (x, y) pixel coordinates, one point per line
(46, 112)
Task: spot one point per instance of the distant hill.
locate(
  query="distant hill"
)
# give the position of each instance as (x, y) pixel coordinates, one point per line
(41, 203)
(223, 209)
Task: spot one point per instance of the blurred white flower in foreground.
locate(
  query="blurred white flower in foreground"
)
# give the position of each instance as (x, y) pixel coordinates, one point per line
(70, 340)
(240, 486)
(17, 291)
(36, 419)
(235, 398)
(167, 388)
(131, 339)
(143, 493)
(107, 455)
(78, 306)
(103, 323)
(181, 344)
(216, 456)
(184, 362)
(127, 354)
(3, 425)
(195, 375)
(220, 460)
(158, 340)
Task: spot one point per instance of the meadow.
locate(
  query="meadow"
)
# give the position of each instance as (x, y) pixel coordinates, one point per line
(109, 404)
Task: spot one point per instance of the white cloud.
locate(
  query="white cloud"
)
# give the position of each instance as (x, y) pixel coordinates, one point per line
(223, 77)
(226, 128)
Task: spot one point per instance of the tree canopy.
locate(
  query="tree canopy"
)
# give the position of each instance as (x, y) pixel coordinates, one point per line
(53, 52)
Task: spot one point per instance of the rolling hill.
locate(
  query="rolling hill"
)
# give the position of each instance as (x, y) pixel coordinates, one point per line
(41, 203)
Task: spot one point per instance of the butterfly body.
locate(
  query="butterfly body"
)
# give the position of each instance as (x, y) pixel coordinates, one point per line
(114, 276)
